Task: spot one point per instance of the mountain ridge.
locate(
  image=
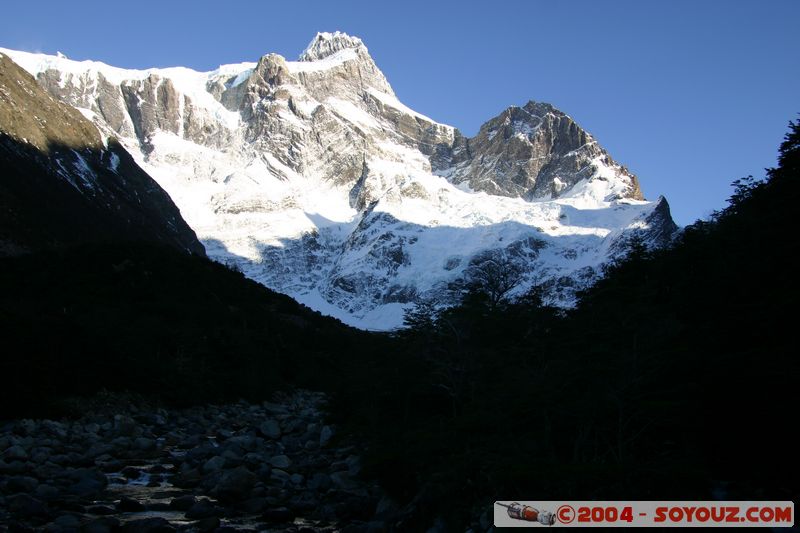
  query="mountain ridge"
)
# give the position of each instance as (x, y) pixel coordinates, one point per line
(64, 184)
(315, 180)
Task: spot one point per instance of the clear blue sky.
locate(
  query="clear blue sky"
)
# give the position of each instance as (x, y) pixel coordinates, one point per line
(690, 95)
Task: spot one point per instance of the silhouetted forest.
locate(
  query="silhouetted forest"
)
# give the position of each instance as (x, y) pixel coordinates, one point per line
(151, 319)
(673, 378)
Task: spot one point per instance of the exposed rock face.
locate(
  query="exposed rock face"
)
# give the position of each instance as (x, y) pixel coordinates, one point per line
(62, 185)
(534, 152)
(326, 44)
(315, 180)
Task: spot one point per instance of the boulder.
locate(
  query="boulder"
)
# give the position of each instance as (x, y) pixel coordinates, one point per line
(87, 481)
(280, 461)
(144, 444)
(270, 429)
(101, 510)
(148, 525)
(183, 503)
(206, 525)
(15, 453)
(235, 484)
(21, 484)
(67, 522)
(26, 506)
(46, 492)
(129, 505)
(202, 509)
(106, 524)
(277, 515)
(214, 464)
(320, 481)
(325, 435)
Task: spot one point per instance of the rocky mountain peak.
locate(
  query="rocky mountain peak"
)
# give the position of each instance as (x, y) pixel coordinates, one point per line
(326, 44)
(536, 152)
(317, 181)
(272, 69)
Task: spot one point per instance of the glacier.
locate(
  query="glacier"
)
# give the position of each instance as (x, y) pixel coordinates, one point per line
(312, 178)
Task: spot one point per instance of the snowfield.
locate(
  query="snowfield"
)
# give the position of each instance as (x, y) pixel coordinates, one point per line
(313, 179)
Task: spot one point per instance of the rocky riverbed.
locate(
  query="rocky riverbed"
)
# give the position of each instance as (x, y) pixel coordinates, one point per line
(274, 466)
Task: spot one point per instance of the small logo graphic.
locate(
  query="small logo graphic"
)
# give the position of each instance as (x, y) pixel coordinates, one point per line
(565, 514)
(527, 513)
(650, 513)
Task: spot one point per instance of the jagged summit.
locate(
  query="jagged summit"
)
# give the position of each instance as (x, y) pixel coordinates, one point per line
(537, 152)
(314, 179)
(325, 44)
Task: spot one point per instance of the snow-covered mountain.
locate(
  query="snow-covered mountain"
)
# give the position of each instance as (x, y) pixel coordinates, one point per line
(62, 183)
(315, 180)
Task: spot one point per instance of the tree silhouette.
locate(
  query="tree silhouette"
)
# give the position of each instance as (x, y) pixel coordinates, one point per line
(494, 275)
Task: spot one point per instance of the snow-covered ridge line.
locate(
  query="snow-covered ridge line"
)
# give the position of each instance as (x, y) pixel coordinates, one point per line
(315, 180)
(35, 62)
(325, 44)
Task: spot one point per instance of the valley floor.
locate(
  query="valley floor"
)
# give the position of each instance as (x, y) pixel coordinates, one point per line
(274, 466)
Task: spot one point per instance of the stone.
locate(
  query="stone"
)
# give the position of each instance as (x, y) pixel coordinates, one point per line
(21, 484)
(253, 459)
(232, 457)
(320, 481)
(88, 481)
(125, 426)
(274, 408)
(144, 444)
(69, 504)
(131, 472)
(202, 509)
(214, 464)
(27, 426)
(106, 524)
(27, 506)
(304, 503)
(235, 484)
(148, 525)
(342, 480)
(278, 515)
(253, 505)
(46, 492)
(280, 461)
(206, 525)
(109, 465)
(101, 510)
(353, 465)
(40, 456)
(121, 443)
(158, 507)
(386, 508)
(15, 453)
(67, 521)
(325, 436)
(183, 503)
(188, 479)
(280, 475)
(270, 429)
(129, 505)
